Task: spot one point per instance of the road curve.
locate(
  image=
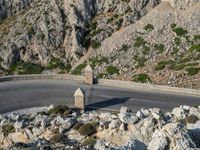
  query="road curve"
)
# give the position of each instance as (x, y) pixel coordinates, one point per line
(16, 95)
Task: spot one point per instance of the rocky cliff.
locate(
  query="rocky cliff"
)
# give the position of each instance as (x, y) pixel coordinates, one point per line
(145, 41)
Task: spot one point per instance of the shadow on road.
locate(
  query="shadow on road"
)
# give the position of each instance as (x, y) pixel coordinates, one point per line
(108, 103)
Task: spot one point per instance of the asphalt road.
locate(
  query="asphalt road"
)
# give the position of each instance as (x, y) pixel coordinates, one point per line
(16, 95)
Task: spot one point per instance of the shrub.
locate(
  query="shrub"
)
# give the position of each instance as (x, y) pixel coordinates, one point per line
(56, 138)
(77, 125)
(98, 60)
(192, 71)
(101, 75)
(56, 63)
(178, 67)
(149, 27)
(143, 78)
(195, 47)
(161, 65)
(87, 129)
(89, 142)
(196, 38)
(7, 129)
(26, 68)
(78, 70)
(124, 48)
(95, 44)
(146, 50)
(112, 70)
(60, 109)
(95, 124)
(67, 112)
(179, 31)
(140, 61)
(159, 47)
(177, 41)
(139, 41)
(192, 119)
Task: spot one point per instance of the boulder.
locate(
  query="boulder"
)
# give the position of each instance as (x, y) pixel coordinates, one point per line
(114, 124)
(179, 113)
(158, 142)
(18, 137)
(128, 118)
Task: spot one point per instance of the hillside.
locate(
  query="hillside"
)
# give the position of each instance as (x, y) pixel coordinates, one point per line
(154, 41)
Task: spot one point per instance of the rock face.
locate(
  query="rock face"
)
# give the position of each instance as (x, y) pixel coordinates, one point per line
(38, 31)
(181, 4)
(10, 8)
(155, 40)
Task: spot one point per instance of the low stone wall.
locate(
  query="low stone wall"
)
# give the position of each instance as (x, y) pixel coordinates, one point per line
(148, 87)
(106, 82)
(42, 77)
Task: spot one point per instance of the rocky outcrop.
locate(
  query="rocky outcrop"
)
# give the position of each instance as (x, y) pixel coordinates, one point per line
(62, 127)
(56, 29)
(10, 8)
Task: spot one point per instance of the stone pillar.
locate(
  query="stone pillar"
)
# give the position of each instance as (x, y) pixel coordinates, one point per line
(79, 97)
(89, 77)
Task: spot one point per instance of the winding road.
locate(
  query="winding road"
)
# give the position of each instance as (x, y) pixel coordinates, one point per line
(16, 95)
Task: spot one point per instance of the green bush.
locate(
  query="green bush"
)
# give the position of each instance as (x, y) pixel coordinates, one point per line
(139, 41)
(77, 125)
(195, 47)
(161, 65)
(101, 75)
(89, 142)
(124, 47)
(179, 31)
(60, 109)
(196, 38)
(192, 71)
(140, 61)
(143, 78)
(56, 63)
(178, 67)
(87, 129)
(146, 50)
(149, 27)
(26, 68)
(57, 138)
(79, 69)
(95, 44)
(98, 60)
(160, 47)
(7, 129)
(112, 70)
(192, 119)
(177, 41)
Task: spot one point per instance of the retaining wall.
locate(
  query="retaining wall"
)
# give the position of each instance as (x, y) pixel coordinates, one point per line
(148, 87)
(106, 82)
(42, 77)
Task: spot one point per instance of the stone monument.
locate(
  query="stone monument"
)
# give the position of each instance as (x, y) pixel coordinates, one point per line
(79, 97)
(89, 77)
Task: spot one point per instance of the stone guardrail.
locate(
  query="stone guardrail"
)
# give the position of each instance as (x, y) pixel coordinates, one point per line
(106, 82)
(148, 87)
(43, 77)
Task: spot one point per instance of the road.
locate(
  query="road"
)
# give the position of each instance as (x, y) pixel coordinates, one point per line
(16, 95)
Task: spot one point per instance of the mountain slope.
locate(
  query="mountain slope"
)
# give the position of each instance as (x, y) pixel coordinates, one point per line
(145, 41)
